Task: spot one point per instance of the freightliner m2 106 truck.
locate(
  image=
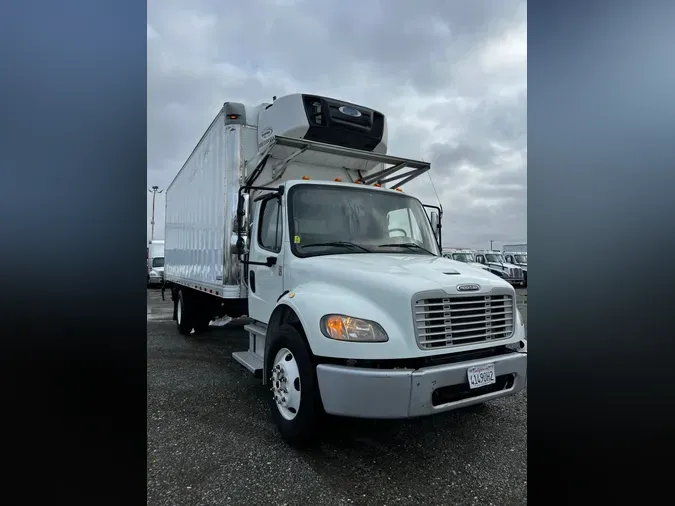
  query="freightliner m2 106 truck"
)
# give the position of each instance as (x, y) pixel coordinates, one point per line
(291, 213)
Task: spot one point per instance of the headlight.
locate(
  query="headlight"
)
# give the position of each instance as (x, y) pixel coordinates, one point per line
(346, 328)
(153, 274)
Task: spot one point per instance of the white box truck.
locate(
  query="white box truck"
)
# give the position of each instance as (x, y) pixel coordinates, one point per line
(463, 255)
(155, 262)
(519, 258)
(495, 262)
(292, 213)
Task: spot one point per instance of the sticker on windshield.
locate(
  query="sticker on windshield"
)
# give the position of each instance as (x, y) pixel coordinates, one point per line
(296, 239)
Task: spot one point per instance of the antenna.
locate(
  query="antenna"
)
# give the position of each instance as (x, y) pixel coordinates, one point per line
(434, 188)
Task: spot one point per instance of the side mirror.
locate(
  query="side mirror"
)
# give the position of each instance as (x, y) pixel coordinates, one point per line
(435, 222)
(240, 244)
(270, 261)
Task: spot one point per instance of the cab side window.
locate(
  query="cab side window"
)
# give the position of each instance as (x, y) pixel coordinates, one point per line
(480, 259)
(269, 229)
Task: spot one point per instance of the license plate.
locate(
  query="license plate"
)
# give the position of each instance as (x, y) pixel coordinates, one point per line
(481, 375)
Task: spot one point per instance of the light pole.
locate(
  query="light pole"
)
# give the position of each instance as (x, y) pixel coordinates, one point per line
(153, 213)
(154, 190)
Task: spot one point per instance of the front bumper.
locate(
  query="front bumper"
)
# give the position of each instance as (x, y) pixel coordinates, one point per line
(407, 393)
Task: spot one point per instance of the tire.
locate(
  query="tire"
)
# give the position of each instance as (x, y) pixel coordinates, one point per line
(301, 427)
(202, 324)
(202, 317)
(183, 315)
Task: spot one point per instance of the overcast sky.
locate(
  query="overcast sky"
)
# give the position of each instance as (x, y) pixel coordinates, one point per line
(450, 75)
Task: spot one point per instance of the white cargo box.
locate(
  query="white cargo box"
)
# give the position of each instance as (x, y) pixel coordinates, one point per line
(201, 205)
(201, 202)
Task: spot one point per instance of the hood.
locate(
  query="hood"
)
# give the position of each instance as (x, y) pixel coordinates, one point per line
(387, 273)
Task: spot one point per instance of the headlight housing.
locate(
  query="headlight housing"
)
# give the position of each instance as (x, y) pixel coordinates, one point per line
(346, 328)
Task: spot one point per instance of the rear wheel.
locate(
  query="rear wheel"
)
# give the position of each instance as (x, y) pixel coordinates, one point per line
(202, 323)
(183, 316)
(295, 402)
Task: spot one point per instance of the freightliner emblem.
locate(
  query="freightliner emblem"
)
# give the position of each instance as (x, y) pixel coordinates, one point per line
(468, 288)
(349, 111)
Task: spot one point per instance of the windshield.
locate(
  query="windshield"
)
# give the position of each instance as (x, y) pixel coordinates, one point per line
(521, 259)
(158, 262)
(463, 257)
(491, 257)
(330, 220)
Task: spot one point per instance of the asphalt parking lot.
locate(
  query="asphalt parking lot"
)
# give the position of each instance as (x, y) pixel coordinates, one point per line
(211, 439)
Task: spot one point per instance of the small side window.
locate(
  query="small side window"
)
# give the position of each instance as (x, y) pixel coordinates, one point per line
(480, 259)
(269, 231)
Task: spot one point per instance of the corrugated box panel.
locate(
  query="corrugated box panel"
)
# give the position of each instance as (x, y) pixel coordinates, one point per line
(195, 211)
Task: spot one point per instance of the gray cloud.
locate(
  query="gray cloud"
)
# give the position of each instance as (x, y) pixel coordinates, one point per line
(449, 157)
(450, 76)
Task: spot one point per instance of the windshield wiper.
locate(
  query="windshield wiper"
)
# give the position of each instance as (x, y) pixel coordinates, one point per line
(345, 244)
(406, 245)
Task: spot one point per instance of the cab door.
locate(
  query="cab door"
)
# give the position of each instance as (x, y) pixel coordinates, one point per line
(266, 281)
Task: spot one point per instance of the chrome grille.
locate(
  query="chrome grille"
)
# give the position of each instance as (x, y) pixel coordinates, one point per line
(517, 273)
(457, 321)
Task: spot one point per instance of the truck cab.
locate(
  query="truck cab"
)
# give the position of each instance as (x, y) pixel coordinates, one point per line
(345, 279)
(155, 262)
(497, 264)
(464, 255)
(354, 310)
(325, 232)
(518, 258)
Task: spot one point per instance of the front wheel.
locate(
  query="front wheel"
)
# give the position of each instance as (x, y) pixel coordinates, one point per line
(295, 402)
